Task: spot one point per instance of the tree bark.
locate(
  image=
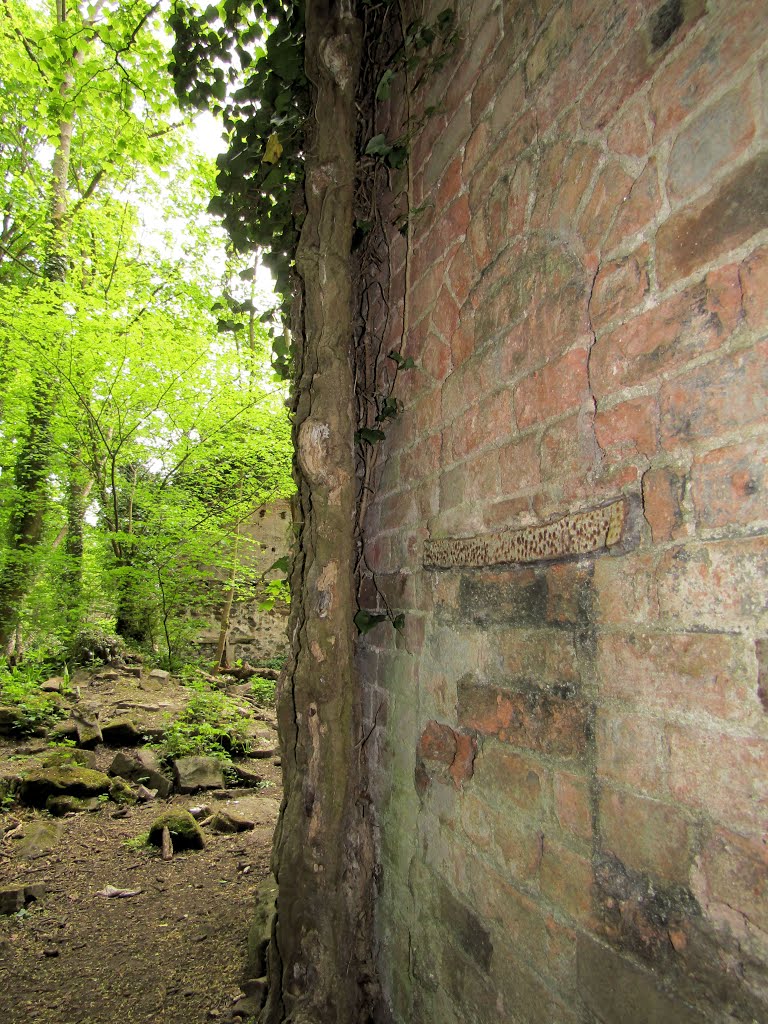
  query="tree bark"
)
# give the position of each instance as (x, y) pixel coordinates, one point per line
(319, 957)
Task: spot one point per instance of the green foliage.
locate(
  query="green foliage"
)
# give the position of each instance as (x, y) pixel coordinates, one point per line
(263, 98)
(263, 691)
(20, 688)
(94, 644)
(210, 724)
(139, 843)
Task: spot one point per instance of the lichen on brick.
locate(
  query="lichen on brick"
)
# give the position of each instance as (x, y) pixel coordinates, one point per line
(576, 534)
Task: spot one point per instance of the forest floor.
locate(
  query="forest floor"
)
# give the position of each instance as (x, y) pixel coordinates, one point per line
(169, 951)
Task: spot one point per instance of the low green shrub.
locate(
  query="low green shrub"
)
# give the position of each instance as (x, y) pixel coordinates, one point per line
(210, 724)
(20, 688)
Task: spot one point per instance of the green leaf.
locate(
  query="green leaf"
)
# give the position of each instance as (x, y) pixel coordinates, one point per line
(369, 435)
(385, 84)
(281, 565)
(378, 146)
(399, 622)
(402, 363)
(365, 622)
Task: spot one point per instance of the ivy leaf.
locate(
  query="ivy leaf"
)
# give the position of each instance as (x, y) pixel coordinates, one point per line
(378, 146)
(396, 157)
(399, 622)
(385, 84)
(365, 621)
(281, 565)
(402, 363)
(273, 150)
(369, 435)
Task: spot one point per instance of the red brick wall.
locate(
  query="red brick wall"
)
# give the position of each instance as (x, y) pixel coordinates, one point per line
(570, 757)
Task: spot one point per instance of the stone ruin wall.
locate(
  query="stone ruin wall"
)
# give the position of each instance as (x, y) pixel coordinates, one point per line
(255, 636)
(569, 753)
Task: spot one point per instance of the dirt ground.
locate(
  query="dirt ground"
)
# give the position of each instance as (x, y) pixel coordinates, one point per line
(172, 953)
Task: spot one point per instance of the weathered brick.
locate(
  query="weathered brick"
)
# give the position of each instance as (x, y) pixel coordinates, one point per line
(626, 590)
(566, 880)
(715, 138)
(421, 461)
(534, 720)
(465, 927)
(611, 190)
(725, 776)
(551, 45)
(639, 209)
(663, 491)
(735, 870)
(451, 140)
(545, 657)
(554, 389)
(572, 804)
(714, 56)
(646, 835)
(483, 425)
(730, 485)
(631, 136)
(754, 280)
(714, 398)
(630, 68)
(569, 593)
(628, 428)
(616, 989)
(520, 465)
(566, 181)
(514, 596)
(619, 287)
(723, 219)
(513, 777)
(660, 339)
(568, 454)
(667, 672)
(715, 585)
(631, 750)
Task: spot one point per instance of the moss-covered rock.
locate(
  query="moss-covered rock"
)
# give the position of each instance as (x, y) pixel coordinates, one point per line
(58, 806)
(68, 756)
(40, 783)
(121, 792)
(185, 832)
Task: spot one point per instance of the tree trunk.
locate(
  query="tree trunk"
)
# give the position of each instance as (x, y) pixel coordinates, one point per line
(319, 957)
(25, 528)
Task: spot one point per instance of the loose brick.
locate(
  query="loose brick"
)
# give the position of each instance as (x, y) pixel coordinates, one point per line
(725, 218)
(663, 490)
(631, 750)
(572, 804)
(730, 485)
(724, 776)
(671, 672)
(554, 389)
(629, 428)
(620, 286)
(534, 720)
(646, 835)
(658, 340)
(717, 397)
(715, 138)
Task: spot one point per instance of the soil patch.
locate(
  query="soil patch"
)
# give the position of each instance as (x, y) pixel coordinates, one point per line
(173, 951)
